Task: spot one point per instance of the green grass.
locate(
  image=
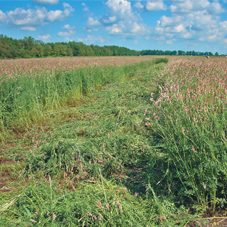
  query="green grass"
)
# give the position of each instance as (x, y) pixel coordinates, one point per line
(109, 161)
(27, 99)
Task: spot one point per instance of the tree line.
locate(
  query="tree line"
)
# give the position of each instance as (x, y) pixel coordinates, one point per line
(28, 47)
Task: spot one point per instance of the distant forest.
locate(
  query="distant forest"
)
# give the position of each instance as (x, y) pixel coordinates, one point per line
(30, 48)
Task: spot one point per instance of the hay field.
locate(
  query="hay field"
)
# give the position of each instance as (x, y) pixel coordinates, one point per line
(113, 141)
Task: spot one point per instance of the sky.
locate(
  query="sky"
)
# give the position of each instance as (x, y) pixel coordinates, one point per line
(199, 25)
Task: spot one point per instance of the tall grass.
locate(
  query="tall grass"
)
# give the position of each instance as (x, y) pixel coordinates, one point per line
(189, 118)
(26, 99)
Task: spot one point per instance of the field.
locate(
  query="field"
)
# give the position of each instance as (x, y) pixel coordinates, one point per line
(49, 65)
(113, 141)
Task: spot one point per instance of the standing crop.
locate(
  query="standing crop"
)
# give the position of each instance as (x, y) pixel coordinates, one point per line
(188, 115)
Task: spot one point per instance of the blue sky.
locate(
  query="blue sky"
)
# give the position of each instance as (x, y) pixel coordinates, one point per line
(199, 25)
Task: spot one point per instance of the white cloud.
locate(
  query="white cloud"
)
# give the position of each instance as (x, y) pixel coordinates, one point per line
(63, 34)
(2, 16)
(136, 28)
(188, 6)
(179, 28)
(55, 15)
(70, 31)
(108, 20)
(68, 27)
(59, 15)
(138, 5)
(160, 38)
(121, 8)
(66, 34)
(115, 29)
(153, 5)
(85, 8)
(95, 39)
(28, 29)
(194, 20)
(35, 18)
(118, 11)
(120, 19)
(44, 37)
(46, 2)
(223, 26)
(169, 41)
(171, 27)
(132, 28)
(21, 17)
(67, 39)
(92, 23)
(169, 21)
(92, 39)
(187, 35)
(216, 8)
(201, 21)
(213, 37)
